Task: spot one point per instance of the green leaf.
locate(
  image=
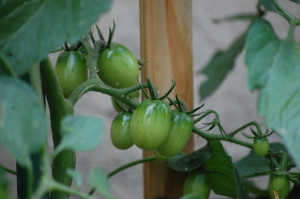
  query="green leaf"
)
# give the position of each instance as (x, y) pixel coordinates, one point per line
(33, 28)
(80, 133)
(241, 189)
(98, 180)
(273, 67)
(76, 176)
(277, 147)
(220, 65)
(251, 165)
(23, 124)
(269, 5)
(186, 163)
(296, 1)
(222, 176)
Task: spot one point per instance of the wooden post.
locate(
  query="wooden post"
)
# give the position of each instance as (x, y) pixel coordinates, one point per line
(166, 43)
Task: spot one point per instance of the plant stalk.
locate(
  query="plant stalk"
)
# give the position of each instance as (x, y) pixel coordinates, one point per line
(59, 108)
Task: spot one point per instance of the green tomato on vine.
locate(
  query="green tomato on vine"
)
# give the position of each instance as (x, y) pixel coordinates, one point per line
(71, 71)
(180, 132)
(120, 131)
(279, 186)
(150, 124)
(196, 184)
(117, 66)
(261, 146)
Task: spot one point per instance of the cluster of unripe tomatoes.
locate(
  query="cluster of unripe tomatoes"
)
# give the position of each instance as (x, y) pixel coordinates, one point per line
(153, 125)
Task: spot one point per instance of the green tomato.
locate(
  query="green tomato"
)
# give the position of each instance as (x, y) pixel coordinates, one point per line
(159, 156)
(118, 67)
(150, 124)
(279, 185)
(180, 131)
(71, 71)
(120, 131)
(261, 146)
(197, 183)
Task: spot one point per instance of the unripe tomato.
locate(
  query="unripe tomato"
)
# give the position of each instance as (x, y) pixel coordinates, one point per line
(117, 66)
(279, 184)
(71, 71)
(159, 156)
(261, 146)
(150, 124)
(180, 131)
(197, 183)
(120, 131)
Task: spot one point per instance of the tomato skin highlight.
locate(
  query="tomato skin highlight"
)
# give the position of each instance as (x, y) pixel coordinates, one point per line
(279, 184)
(261, 146)
(120, 131)
(150, 124)
(197, 183)
(117, 66)
(180, 131)
(71, 71)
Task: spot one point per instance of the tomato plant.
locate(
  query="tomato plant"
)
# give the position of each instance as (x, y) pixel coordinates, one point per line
(117, 66)
(279, 186)
(71, 71)
(150, 124)
(37, 102)
(197, 184)
(120, 131)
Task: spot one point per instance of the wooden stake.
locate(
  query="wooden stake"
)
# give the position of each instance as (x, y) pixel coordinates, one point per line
(166, 43)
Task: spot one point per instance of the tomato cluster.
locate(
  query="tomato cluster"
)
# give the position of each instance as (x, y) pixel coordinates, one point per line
(153, 126)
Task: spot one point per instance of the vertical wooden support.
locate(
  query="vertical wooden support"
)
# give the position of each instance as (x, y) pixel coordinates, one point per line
(166, 43)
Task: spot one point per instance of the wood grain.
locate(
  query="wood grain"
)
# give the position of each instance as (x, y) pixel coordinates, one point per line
(166, 43)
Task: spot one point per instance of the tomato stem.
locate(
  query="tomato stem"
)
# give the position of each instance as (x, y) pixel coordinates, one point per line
(253, 123)
(169, 91)
(59, 108)
(208, 136)
(10, 171)
(205, 114)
